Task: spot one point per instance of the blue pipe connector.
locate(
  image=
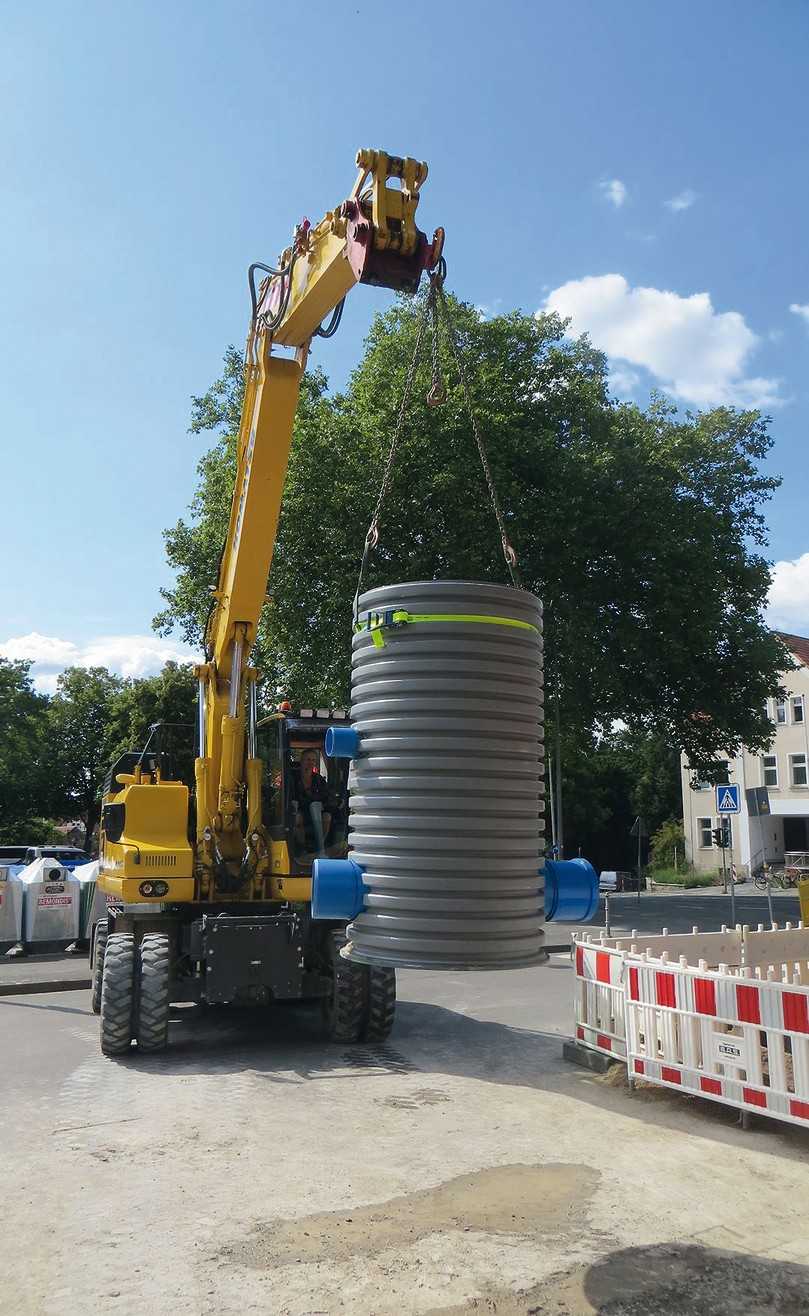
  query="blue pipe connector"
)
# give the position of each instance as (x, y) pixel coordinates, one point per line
(571, 890)
(342, 743)
(338, 890)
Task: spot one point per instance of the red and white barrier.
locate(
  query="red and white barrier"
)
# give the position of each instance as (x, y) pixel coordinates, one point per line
(599, 966)
(600, 1012)
(728, 1037)
(735, 1032)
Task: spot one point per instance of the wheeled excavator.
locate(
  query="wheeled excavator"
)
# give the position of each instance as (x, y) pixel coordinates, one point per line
(209, 889)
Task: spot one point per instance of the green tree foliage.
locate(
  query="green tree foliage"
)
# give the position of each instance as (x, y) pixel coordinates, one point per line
(668, 844)
(82, 728)
(26, 783)
(55, 753)
(642, 531)
(168, 697)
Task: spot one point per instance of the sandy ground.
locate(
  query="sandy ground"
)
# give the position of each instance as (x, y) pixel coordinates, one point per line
(462, 1167)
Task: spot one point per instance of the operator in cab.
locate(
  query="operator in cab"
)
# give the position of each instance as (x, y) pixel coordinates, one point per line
(311, 788)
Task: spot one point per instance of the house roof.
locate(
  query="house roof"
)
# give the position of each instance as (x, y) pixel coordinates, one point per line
(797, 644)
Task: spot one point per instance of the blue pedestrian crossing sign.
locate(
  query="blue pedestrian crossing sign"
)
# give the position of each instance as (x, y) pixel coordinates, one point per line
(727, 799)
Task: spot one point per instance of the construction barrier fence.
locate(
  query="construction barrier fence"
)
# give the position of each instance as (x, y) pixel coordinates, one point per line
(721, 1015)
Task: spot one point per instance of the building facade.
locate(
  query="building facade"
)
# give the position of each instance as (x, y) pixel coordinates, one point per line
(783, 769)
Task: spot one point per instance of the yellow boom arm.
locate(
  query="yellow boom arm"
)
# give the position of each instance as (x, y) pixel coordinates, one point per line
(371, 238)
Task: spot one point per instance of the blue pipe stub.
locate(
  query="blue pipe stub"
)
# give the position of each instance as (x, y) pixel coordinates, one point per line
(337, 888)
(571, 890)
(341, 743)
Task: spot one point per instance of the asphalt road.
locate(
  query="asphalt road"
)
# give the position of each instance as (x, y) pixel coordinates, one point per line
(707, 909)
(462, 1167)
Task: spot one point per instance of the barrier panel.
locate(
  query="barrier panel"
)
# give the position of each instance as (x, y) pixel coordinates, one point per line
(599, 1002)
(721, 1015)
(725, 1035)
(599, 968)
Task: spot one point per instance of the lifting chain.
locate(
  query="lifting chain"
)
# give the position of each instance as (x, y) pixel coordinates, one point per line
(435, 306)
(508, 550)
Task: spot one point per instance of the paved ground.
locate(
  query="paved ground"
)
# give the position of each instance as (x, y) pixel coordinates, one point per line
(461, 1168)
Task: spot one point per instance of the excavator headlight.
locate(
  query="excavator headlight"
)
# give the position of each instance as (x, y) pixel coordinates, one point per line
(156, 888)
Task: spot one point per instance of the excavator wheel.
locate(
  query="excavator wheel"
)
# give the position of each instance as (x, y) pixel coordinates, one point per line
(154, 976)
(99, 946)
(381, 1005)
(344, 1011)
(117, 994)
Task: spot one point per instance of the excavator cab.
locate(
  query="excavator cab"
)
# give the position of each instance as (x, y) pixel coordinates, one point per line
(290, 744)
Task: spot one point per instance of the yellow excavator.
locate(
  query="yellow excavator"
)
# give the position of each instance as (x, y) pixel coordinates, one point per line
(209, 890)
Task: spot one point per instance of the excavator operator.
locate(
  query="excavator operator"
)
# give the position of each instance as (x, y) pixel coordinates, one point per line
(310, 788)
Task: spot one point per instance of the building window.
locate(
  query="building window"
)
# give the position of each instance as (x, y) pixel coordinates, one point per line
(797, 770)
(781, 711)
(769, 764)
(797, 708)
(705, 837)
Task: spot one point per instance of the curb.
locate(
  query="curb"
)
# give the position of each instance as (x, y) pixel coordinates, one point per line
(593, 1060)
(38, 988)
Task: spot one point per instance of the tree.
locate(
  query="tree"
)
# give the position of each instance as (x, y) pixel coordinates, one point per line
(642, 531)
(668, 844)
(82, 730)
(26, 785)
(168, 697)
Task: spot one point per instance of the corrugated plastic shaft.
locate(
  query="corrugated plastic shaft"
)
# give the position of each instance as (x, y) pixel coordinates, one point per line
(447, 792)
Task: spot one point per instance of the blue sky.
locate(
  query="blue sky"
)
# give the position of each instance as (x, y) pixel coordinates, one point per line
(151, 151)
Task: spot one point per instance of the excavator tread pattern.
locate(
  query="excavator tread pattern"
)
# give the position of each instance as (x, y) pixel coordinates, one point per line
(154, 977)
(349, 1005)
(117, 994)
(381, 1005)
(99, 947)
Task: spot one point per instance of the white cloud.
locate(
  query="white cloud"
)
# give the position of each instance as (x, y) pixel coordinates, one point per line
(788, 603)
(800, 309)
(682, 201)
(614, 191)
(623, 380)
(694, 352)
(129, 655)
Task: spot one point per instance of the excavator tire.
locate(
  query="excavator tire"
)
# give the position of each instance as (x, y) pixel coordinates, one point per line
(345, 1010)
(117, 994)
(99, 946)
(154, 976)
(381, 1005)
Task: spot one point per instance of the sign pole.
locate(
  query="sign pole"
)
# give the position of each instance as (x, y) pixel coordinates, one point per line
(732, 883)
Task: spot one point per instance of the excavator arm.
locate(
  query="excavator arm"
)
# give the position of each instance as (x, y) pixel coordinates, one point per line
(370, 238)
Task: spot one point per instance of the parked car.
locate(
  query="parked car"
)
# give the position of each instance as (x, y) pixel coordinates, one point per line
(617, 880)
(66, 855)
(13, 854)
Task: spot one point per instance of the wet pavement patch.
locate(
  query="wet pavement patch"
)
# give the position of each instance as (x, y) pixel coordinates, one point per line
(508, 1199)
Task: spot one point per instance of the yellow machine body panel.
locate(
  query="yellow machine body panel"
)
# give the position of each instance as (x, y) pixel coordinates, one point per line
(153, 844)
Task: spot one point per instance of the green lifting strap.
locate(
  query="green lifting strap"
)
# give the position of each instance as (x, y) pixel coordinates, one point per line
(375, 622)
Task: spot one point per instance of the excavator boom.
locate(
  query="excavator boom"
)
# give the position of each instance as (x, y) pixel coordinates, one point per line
(371, 237)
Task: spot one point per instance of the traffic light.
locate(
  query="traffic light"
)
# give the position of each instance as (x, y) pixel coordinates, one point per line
(720, 837)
